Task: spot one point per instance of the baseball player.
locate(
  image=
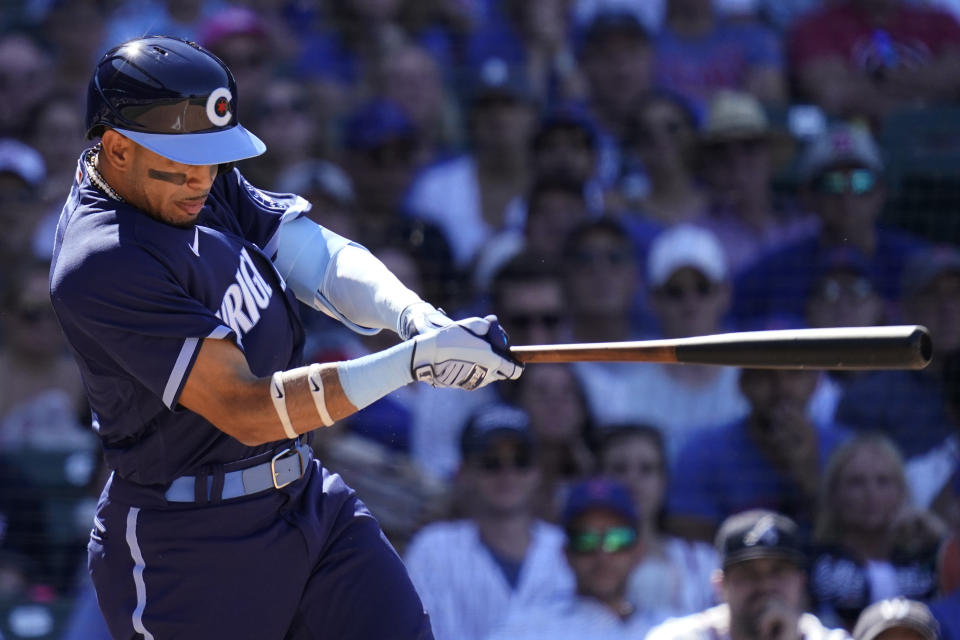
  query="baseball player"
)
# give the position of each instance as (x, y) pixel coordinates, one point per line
(175, 282)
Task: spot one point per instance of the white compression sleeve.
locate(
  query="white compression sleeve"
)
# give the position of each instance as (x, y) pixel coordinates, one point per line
(365, 291)
(365, 380)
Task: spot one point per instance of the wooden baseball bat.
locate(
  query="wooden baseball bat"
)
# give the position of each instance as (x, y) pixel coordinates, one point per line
(896, 347)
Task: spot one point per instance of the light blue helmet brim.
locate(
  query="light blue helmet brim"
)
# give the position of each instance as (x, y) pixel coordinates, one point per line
(215, 147)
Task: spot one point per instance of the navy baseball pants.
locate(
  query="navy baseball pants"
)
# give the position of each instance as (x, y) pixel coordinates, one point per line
(304, 561)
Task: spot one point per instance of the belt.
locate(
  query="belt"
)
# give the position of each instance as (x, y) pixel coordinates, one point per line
(277, 472)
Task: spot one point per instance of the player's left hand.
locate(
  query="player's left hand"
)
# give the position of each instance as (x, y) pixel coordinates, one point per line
(467, 354)
(420, 318)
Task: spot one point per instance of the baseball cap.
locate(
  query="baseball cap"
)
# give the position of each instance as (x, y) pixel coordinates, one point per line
(612, 22)
(377, 122)
(23, 161)
(599, 493)
(318, 176)
(493, 421)
(496, 78)
(841, 144)
(734, 115)
(759, 533)
(896, 613)
(685, 245)
(568, 115)
(924, 266)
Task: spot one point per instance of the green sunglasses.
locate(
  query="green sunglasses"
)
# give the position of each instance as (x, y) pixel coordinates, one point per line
(856, 181)
(609, 540)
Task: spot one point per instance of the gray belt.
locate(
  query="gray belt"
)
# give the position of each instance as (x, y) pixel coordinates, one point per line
(279, 471)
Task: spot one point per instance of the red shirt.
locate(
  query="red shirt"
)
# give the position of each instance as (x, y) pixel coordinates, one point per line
(913, 35)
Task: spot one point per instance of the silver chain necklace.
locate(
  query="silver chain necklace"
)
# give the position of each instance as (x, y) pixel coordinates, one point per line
(95, 177)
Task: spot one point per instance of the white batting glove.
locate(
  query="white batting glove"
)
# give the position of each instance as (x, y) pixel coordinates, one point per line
(467, 354)
(420, 318)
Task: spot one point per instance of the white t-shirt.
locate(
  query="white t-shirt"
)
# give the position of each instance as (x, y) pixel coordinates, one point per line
(714, 624)
(647, 393)
(579, 618)
(676, 581)
(463, 588)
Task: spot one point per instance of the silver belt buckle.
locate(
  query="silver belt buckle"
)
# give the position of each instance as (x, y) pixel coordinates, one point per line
(275, 475)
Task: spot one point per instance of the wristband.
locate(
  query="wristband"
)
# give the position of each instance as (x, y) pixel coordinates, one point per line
(315, 382)
(279, 397)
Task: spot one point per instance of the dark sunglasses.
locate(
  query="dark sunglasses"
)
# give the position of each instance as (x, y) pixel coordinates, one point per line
(612, 257)
(702, 289)
(524, 321)
(494, 463)
(832, 290)
(609, 540)
(855, 181)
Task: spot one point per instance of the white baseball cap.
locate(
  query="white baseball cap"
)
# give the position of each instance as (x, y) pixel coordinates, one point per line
(685, 245)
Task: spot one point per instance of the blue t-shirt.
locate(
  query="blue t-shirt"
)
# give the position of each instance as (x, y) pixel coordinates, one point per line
(722, 471)
(947, 612)
(136, 297)
(697, 68)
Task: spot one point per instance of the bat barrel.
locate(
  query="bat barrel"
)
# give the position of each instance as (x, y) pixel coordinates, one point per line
(898, 347)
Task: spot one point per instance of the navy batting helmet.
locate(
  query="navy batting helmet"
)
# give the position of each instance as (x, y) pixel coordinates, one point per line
(174, 98)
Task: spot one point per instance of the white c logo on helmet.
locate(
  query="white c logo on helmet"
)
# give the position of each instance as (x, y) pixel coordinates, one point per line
(218, 106)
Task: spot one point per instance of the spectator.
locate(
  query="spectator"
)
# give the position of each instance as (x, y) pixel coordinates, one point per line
(380, 157)
(135, 18)
(616, 55)
(908, 406)
(772, 458)
(934, 476)
(762, 584)
(675, 574)
(529, 298)
(477, 194)
(864, 58)
(26, 74)
(73, 33)
(843, 295)
(871, 544)
(565, 144)
(470, 573)
(689, 296)
(662, 136)
(284, 122)
(22, 176)
(42, 401)
(329, 190)
(555, 206)
(56, 131)
(410, 77)
(842, 174)
(740, 152)
(533, 36)
(699, 54)
(601, 276)
(563, 432)
(602, 548)
(946, 608)
(897, 619)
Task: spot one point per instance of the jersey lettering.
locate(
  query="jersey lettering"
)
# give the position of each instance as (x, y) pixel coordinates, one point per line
(244, 298)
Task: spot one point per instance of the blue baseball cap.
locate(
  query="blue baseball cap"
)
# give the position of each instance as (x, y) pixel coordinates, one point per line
(599, 493)
(377, 122)
(491, 422)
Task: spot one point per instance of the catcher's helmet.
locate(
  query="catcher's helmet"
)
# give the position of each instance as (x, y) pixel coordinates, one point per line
(174, 98)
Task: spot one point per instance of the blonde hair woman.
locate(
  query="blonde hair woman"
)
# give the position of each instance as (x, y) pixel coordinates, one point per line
(870, 542)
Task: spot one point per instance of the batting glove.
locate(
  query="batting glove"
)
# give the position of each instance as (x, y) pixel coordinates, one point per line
(420, 318)
(467, 354)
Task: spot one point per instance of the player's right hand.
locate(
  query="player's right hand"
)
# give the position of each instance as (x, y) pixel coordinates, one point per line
(467, 354)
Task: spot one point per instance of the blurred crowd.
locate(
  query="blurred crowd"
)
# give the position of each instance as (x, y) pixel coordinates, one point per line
(588, 170)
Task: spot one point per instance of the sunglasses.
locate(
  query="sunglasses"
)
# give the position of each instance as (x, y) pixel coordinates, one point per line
(612, 257)
(832, 290)
(609, 540)
(855, 181)
(524, 321)
(493, 463)
(676, 292)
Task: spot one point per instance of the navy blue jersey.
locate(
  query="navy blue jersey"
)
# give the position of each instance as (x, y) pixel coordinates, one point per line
(136, 297)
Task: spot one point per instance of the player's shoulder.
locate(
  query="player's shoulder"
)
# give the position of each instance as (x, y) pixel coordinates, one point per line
(712, 623)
